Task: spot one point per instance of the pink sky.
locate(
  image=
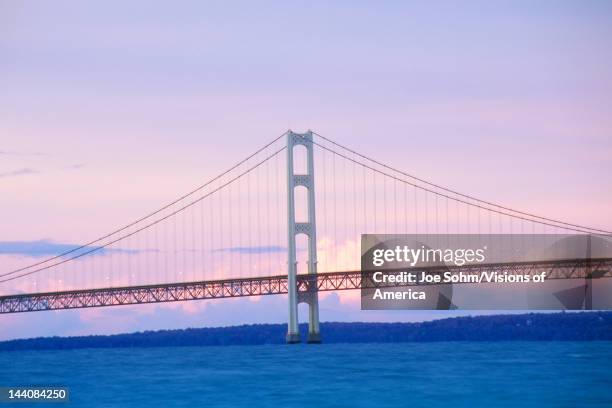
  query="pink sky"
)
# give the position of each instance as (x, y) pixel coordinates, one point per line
(109, 111)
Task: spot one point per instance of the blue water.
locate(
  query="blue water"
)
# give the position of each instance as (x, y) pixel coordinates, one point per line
(432, 375)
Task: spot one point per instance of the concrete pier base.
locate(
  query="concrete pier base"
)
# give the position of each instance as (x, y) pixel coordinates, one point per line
(293, 338)
(314, 338)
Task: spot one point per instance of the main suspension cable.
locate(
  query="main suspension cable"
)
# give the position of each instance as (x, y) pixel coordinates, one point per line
(375, 170)
(142, 228)
(582, 227)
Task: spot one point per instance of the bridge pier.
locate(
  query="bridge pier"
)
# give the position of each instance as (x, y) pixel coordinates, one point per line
(314, 332)
(309, 229)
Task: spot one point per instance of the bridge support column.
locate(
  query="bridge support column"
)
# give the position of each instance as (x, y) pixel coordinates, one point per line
(309, 229)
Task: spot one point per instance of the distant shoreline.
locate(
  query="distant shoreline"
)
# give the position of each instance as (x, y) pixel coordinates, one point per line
(583, 326)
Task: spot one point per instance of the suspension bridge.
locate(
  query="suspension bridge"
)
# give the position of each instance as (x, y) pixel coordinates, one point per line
(287, 219)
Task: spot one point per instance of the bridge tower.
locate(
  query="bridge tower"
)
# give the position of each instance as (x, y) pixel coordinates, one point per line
(308, 228)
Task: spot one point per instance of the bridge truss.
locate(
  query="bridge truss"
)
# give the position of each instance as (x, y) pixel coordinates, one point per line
(277, 285)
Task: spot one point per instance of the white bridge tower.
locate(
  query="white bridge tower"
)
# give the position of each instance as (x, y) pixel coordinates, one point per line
(308, 228)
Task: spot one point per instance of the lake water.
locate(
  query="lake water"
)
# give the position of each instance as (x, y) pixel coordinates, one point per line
(505, 374)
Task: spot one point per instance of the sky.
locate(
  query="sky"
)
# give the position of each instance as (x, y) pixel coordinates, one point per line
(110, 110)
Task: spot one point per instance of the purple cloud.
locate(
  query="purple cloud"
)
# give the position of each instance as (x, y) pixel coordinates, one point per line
(19, 172)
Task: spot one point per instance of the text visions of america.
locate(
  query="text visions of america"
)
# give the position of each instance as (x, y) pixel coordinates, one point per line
(455, 277)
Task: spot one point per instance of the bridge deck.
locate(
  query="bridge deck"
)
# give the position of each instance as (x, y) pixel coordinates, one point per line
(276, 285)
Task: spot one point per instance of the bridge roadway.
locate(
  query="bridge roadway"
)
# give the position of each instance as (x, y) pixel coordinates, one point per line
(276, 285)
